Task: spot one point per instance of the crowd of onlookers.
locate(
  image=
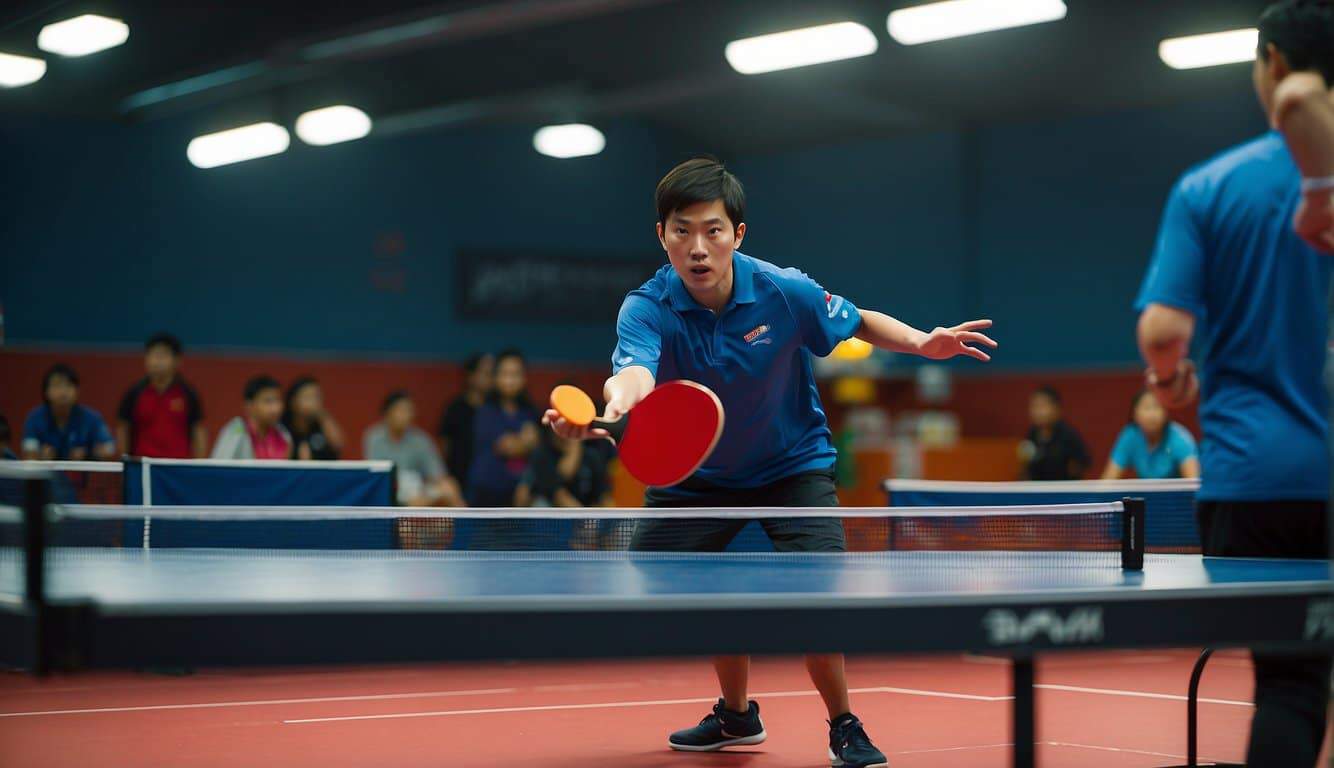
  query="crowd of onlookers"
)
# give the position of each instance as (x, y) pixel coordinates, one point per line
(1151, 445)
(488, 451)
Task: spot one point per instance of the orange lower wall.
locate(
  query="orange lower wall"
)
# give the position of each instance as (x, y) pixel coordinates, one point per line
(353, 390)
(989, 406)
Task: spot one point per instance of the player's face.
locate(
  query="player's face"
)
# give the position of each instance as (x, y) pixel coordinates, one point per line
(160, 362)
(401, 415)
(510, 377)
(1150, 416)
(699, 241)
(1042, 411)
(61, 393)
(267, 407)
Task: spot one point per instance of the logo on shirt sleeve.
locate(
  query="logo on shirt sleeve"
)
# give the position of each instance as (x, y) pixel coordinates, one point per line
(833, 304)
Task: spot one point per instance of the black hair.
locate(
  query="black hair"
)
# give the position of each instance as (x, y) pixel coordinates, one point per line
(700, 180)
(474, 361)
(164, 340)
(258, 384)
(61, 370)
(392, 399)
(294, 389)
(1303, 30)
(1050, 393)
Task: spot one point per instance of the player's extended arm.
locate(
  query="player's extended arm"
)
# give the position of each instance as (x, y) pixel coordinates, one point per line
(881, 330)
(1164, 335)
(1304, 113)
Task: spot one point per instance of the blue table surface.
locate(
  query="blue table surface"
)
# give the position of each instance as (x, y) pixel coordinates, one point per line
(184, 579)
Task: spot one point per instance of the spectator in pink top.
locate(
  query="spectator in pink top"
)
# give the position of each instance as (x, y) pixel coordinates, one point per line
(259, 433)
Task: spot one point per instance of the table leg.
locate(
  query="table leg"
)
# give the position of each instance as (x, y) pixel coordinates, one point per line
(1023, 713)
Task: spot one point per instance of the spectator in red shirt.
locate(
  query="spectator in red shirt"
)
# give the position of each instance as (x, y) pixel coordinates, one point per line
(259, 432)
(160, 416)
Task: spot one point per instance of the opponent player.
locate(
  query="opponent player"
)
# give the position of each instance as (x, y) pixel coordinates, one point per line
(1228, 257)
(747, 329)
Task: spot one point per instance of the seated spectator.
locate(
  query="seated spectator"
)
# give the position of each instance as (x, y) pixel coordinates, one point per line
(565, 473)
(259, 432)
(315, 434)
(1153, 445)
(63, 429)
(160, 416)
(504, 434)
(456, 427)
(5, 436)
(1053, 450)
(421, 475)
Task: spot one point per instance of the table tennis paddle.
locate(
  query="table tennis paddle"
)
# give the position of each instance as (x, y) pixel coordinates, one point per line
(665, 438)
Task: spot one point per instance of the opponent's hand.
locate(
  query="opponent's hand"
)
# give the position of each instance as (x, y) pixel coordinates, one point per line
(1315, 221)
(1177, 391)
(944, 343)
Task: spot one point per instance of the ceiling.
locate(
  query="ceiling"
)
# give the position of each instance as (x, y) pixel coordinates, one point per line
(417, 65)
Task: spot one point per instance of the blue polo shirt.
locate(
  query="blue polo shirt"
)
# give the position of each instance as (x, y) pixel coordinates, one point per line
(755, 354)
(85, 429)
(1227, 254)
(1160, 462)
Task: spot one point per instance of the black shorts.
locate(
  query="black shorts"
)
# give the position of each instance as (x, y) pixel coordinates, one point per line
(1264, 528)
(793, 534)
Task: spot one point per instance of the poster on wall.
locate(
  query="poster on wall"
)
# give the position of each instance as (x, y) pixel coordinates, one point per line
(551, 286)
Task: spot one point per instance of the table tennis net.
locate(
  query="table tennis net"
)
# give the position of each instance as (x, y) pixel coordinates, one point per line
(1076, 528)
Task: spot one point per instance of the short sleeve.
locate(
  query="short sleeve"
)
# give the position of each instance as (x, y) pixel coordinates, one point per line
(125, 412)
(98, 432)
(1176, 272)
(32, 431)
(1123, 452)
(638, 335)
(823, 319)
(433, 467)
(194, 409)
(1183, 443)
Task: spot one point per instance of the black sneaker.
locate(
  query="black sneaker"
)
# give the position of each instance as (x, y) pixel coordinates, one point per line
(850, 747)
(721, 728)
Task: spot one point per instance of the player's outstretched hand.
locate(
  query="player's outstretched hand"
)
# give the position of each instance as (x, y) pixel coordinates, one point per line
(564, 428)
(944, 343)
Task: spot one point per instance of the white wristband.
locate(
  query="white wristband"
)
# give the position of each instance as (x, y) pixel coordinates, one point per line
(1319, 184)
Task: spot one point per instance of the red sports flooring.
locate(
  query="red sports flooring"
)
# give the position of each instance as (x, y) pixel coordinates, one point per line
(1108, 709)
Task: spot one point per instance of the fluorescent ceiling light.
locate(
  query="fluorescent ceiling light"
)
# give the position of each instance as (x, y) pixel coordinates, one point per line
(570, 140)
(20, 70)
(956, 18)
(232, 146)
(800, 48)
(332, 125)
(1209, 50)
(82, 35)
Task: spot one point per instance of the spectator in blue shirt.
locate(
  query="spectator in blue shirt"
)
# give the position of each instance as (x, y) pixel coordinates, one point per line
(1154, 446)
(60, 428)
(1230, 267)
(504, 435)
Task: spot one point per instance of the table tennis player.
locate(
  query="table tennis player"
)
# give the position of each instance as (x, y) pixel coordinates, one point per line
(1228, 258)
(746, 329)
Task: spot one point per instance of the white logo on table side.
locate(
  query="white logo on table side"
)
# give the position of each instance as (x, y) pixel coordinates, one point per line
(1080, 625)
(1320, 620)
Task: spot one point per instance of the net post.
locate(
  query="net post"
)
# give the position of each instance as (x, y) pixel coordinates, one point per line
(1132, 533)
(36, 497)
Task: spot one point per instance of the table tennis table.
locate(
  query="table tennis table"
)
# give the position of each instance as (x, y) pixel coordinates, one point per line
(134, 607)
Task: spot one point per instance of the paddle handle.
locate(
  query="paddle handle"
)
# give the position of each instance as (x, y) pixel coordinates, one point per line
(614, 427)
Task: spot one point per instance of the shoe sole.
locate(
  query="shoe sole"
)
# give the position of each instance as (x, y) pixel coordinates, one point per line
(837, 763)
(741, 742)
